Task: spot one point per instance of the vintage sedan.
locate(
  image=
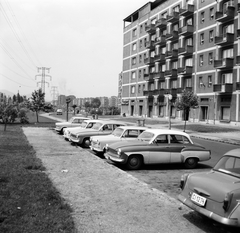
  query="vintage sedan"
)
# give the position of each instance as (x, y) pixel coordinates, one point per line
(73, 122)
(86, 124)
(98, 143)
(158, 146)
(215, 194)
(100, 128)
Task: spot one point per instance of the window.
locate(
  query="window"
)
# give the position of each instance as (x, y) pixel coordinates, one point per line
(175, 27)
(140, 73)
(145, 25)
(189, 21)
(144, 87)
(227, 53)
(140, 58)
(202, 19)
(211, 11)
(161, 139)
(188, 82)
(226, 78)
(228, 29)
(134, 32)
(202, 1)
(201, 60)
(134, 60)
(132, 89)
(133, 75)
(164, 15)
(189, 41)
(209, 80)
(162, 85)
(210, 58)
(176, 8)
(173, 84)
(145, 41)
(225, 113)
(201, 84)
(141, 28)
(202, 38)
(134, 47)
(189, 62)
(140, 44)
(211, 36)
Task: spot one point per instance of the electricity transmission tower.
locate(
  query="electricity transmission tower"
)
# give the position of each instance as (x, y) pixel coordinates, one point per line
(43, 76)
(54, 93)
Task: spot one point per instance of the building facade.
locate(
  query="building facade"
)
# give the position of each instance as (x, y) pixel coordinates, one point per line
(172, 45)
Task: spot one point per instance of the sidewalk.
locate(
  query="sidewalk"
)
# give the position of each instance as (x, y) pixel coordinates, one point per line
(232, 136)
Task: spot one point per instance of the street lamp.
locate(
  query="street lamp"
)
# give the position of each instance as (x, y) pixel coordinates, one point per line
(169, 110)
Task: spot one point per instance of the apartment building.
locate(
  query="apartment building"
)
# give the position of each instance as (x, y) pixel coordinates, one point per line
(172, 45)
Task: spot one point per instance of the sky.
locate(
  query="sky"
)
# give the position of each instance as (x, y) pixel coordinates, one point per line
(81, 41)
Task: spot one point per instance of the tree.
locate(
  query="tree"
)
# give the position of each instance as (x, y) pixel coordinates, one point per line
(38, 102)
(8, 113)
(87, 106)
(187, 101)
(96, 103)
(74, 108)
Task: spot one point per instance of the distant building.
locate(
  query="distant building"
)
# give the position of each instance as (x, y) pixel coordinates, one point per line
(113, 101)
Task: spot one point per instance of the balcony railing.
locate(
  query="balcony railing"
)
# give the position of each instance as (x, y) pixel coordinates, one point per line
(174, 17)
(149, 45)
(149, 60)
(186, 30)
(225, 63)
(185, 70)
(172, 72)
(238, 86)
(159, 58)
(150, 28)
(223, 88)
(181, 89)
(226, 14)
(187, 50)
(171, 54)
(149, 77)
(172, 36)
(159, 75)
(161, 40)
(161, 23)
(225, 39)
(187, 10)
(148, 93)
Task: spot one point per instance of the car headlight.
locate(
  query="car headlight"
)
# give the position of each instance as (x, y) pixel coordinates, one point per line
(98, 143)
(119, 152)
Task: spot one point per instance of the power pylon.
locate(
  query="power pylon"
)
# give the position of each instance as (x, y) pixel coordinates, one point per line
(54, 93)
(43, 76)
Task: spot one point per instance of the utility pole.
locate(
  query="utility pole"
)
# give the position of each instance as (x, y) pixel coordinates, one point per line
(54, 93)
(43, 76)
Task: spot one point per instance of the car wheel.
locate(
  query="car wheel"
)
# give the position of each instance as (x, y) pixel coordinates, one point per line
(61, 132)
(191, 163)
(134, 162)
(86, 142)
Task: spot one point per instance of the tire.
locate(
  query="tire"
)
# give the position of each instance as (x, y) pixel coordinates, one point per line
(134, 162)
(191, 163)
(61, 132)
(86, 142)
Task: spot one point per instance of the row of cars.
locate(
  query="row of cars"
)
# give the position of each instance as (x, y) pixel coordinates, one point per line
(215, 194)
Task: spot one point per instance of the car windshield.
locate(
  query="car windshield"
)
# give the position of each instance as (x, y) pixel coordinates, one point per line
(97, 126)
(229, 165)
(71, 120)
(117, 132)
(146, 136)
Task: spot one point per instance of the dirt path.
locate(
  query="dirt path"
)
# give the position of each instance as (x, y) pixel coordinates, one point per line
(104, 198)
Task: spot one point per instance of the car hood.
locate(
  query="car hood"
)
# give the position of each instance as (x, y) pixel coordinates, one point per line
(215, 185)
(63, 123)
(128, 143)
(105, 138)
(76, 129)
(88, 131)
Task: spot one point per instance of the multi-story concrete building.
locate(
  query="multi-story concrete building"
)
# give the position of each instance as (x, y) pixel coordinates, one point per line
(172, 45)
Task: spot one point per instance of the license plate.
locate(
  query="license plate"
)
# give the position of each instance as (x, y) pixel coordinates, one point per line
(198, 199)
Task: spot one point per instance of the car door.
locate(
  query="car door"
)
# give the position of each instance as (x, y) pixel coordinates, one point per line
(177, 143)
(159, 151)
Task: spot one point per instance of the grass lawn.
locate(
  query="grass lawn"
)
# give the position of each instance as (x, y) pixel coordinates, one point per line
(28, 200)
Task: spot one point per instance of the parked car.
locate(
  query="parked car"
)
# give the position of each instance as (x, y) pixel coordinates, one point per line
(98, 143)
(158, 146)
(73, 122)
(59, 111)
(86, 124)
(100, 128)
(216, 193)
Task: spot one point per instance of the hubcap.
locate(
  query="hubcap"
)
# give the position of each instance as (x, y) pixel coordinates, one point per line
(134, 161)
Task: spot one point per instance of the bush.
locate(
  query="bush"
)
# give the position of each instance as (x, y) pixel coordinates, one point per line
(22, 115)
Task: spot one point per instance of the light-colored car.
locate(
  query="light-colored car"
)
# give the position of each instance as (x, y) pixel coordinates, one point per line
(73, 122)
(59, 111)
(86, 124)
(98, 143)
(100, 128)
(216, 193)
(158, 146)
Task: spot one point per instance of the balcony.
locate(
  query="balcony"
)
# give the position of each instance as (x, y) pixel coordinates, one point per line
(158, 92)
(237, 86)
(187, 50)
(187, 10)
(223, 88)
(185, 70)
(160, 40)
(172, 54)
(160, 75)
(186, 30)
(225, 39)
(181, 89)
(149, 77)
(149, 61)
(227, 13)
(161, 23)
(172, 72)
(150, 28)
(159, 58)
(174, 17)
(148, 93)
(172, 36)
(150, 45)
(225, 63)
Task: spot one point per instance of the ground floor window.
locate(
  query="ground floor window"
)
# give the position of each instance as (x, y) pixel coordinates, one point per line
(225, 113)
(161, 111)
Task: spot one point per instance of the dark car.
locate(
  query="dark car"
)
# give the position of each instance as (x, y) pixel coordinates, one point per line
(215, 194)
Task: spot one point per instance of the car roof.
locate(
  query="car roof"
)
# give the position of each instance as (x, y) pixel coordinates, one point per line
(234, 152)
(133, 127)
(167, 131)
